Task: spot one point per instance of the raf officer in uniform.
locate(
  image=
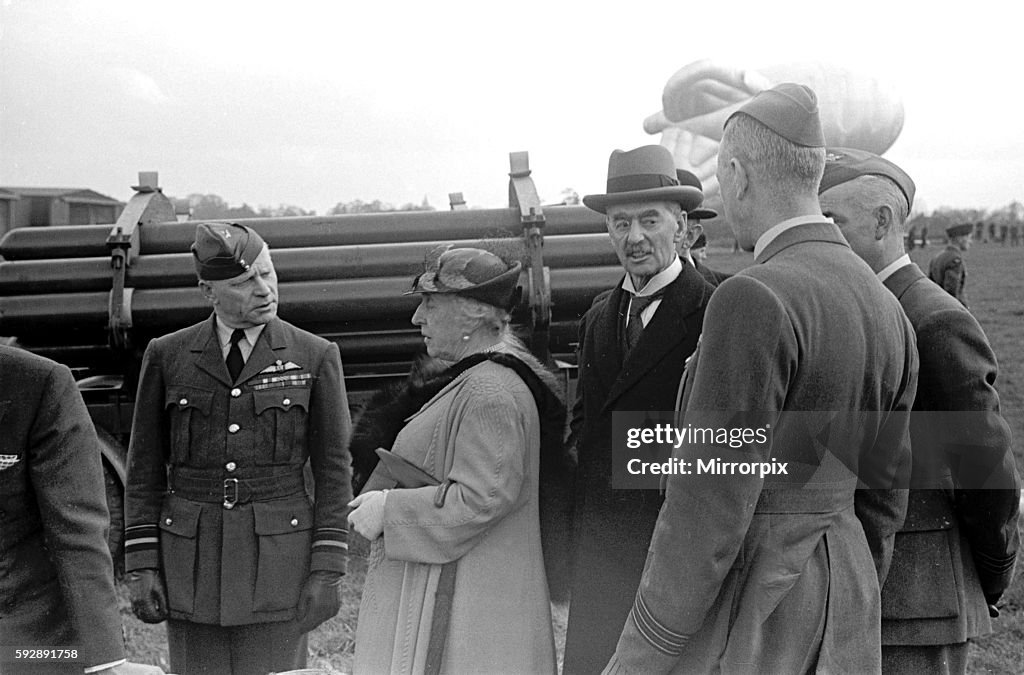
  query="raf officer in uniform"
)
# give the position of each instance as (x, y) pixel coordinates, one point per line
(947, 268)
(221, 537)
(955, 553)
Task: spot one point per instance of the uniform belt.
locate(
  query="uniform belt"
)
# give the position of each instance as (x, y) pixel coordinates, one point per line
(231, 491)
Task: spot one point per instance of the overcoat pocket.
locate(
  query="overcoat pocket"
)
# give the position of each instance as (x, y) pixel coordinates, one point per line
(284, 530)
(179, 525)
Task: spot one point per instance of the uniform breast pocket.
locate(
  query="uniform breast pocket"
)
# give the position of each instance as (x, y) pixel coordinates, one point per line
(284, 530)
(281, 415)
(188, 412)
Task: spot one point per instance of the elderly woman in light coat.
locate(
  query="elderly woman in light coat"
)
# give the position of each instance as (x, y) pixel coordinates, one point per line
(479, 435)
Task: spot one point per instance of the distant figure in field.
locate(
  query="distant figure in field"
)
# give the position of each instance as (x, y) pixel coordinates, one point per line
(947, 268)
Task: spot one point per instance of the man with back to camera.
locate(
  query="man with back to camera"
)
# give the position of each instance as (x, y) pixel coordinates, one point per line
(954, 555)
(56, 576)
(221, 537)
(947, 268)
(747, 574)
(633, 342)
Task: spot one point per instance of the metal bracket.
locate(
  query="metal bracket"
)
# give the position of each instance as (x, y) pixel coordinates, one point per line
(147, 205)
(522, 194)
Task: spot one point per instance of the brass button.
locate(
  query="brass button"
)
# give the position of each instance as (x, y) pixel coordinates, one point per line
(287, 401)
(233, 428)
(230, 466)
(183, 401)
(168, 521)
(295, 522)
(236, 392)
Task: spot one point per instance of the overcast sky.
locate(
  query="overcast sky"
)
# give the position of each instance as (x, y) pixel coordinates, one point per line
(315, 103)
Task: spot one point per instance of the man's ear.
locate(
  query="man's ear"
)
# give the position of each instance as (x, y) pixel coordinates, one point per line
(884, 221)
(692, 232)
(207, 290)
(742, 182)
(680, 232)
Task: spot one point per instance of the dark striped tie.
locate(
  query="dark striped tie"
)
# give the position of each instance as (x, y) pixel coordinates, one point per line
(235, 361)
(635, 326)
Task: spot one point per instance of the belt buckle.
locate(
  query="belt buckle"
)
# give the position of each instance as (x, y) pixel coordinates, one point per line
(230, 492)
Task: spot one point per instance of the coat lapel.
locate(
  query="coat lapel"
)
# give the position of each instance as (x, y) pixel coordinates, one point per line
(264, 352)
(665, 331)
(607, 349)
(210, 359)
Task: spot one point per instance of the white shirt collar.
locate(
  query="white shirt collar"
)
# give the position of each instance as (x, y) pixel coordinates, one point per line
(774, 231)
(252, 333)
(891, 268)
(657, 282)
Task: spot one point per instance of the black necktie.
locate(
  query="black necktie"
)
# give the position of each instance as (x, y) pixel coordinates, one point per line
(235, 360)
(635, 325)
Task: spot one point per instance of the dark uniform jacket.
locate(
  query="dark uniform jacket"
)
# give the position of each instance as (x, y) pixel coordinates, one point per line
(613, 527)
(957, 544)
(948, 271)
(713, 277)
(201, 443)
(56, 578)
(745, 574)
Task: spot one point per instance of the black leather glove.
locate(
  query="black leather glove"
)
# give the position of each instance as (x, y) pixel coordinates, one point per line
(319, 600)
(149, 599)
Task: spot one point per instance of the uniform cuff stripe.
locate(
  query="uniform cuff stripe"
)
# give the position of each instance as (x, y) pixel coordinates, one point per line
(324, 542)
(660, 636)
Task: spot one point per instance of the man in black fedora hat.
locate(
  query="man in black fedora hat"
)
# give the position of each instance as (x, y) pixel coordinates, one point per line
(633, 343)
(947, 268)
(780, 572)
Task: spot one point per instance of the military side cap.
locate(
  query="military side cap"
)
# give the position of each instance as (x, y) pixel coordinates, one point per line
(790, 110)
(470, 272)
(689, 178)
(845, 164)
(700, 242)
(645, 174)
(224, 250)
(959, 230)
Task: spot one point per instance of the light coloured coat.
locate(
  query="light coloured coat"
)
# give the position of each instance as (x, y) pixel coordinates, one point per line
(482, 433)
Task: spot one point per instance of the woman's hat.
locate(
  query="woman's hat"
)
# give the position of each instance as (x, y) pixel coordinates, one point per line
(471, 273)
(646, 174)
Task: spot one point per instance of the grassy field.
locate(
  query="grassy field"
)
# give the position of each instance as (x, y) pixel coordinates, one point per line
(996, 296)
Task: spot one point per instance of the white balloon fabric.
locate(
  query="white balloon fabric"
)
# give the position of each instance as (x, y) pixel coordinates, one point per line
(857, 110)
